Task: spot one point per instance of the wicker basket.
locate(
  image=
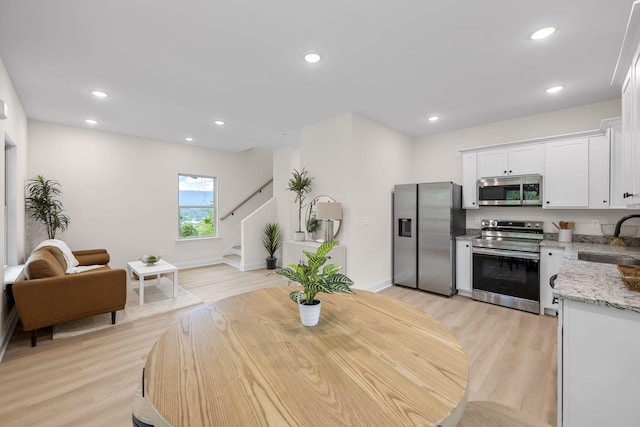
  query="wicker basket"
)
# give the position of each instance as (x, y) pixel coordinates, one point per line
(631, 276)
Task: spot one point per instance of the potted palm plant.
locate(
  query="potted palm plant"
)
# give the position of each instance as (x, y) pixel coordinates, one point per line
(43, 206)
(271, 240)
(313, 280)
(299, 183)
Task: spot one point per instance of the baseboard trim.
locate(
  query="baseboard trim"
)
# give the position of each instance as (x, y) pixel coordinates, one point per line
(375, 287)
(200, 263)
(12, 321)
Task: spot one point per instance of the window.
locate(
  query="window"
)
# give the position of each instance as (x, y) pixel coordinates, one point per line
(196, 206)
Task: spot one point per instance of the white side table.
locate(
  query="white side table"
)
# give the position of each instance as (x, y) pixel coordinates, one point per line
(157, 269)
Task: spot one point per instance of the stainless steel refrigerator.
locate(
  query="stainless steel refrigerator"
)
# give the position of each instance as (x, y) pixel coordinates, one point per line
(426, 219)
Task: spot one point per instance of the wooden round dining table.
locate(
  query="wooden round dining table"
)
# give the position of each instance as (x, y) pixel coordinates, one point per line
(247, 360)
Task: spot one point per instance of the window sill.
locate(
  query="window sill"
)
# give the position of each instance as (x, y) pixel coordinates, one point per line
(196, 239)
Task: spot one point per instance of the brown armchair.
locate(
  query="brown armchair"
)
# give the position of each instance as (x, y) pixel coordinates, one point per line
(46, 295)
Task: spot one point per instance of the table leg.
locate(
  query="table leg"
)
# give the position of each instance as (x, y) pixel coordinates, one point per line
(141, 277)
(175, 284)
(128, 276)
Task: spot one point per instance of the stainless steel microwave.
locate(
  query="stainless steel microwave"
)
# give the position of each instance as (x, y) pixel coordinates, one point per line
(521, 190)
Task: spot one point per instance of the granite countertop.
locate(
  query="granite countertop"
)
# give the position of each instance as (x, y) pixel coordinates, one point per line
(594, 282)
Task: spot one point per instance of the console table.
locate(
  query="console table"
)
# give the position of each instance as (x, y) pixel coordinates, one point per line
(248, 361)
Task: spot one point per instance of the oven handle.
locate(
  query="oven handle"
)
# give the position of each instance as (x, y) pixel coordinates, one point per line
(501, 252)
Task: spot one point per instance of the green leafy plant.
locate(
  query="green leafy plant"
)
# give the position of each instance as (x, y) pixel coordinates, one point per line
(43, 206)
(271, 238)
(300, 183)
(314, 280)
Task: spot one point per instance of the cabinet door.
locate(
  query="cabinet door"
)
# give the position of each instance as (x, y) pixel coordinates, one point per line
(550, 260)
(627, 140)
(469, 178)
(599, 375)
(527, 159)
(493, 163)
(617, 183)
(635, 136)
(464, 267)
(599, 172)
(566, 177)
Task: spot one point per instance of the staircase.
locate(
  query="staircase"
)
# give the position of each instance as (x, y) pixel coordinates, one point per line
(233, 254)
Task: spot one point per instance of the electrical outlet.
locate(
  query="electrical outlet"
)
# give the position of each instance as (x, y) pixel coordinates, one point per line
(365, 221)
(595, 224)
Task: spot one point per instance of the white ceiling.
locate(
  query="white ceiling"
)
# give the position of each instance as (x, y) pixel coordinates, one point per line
(172, 67)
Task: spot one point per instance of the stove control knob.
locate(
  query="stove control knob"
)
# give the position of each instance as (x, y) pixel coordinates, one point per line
(538, 225)
(529, 224)
(494, 223)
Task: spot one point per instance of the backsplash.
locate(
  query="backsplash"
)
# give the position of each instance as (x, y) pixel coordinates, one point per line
(632, 242)
(588, 238)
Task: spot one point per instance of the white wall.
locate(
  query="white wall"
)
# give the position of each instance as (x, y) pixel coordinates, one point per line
(357, 162)
(121, 191)
(14, 128)
(285, 160)
(436, 158)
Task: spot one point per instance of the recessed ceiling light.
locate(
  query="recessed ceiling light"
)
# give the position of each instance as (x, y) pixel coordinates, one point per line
(312, 57)
(99, 94)
(433, 118)
(189, 139)
(219, 122)
(91, 122)
(554, 89)
(543, 33)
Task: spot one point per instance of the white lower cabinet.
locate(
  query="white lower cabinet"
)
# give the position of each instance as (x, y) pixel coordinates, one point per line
(598, 365)
(550, 260)
(464, 267)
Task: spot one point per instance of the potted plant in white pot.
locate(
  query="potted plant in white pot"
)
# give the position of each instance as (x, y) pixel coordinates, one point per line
(313, 280)
(271, 240)
(299, 183)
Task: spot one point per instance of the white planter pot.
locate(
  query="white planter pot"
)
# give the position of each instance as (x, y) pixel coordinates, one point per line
(298, 236)
(310, 314)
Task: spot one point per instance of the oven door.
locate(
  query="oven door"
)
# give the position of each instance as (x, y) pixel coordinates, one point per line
(507, 278)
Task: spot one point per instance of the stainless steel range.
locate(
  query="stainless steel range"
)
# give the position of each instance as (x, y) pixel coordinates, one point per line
(506, 264)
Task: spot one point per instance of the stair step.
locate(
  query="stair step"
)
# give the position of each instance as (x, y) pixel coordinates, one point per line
(234, 257)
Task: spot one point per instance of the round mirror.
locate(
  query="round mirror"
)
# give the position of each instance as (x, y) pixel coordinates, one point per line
(316, 227)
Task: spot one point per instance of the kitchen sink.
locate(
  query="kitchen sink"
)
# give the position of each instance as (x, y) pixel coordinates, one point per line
(608, 259)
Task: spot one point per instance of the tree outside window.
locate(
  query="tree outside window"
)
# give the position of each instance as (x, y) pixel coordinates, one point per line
(196, 206)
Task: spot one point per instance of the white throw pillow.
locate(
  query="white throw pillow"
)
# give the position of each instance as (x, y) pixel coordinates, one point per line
(72, 262)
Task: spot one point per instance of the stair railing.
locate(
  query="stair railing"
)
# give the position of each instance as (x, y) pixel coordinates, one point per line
(258, 191)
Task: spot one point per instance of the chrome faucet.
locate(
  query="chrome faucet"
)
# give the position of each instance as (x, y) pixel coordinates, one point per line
(616, 233)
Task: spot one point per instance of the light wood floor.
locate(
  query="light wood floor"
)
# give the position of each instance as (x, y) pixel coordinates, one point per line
(90, 379)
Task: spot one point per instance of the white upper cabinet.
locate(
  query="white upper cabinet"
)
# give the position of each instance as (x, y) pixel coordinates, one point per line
(469, 178)
(576, 168)
(566, 174)
(521, 160)
(617, 160)
(627, 74)
(635, 130)
(628, 146)
(526, 160)
(599, 149)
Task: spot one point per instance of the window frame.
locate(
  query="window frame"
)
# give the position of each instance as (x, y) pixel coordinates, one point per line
(213, 206)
